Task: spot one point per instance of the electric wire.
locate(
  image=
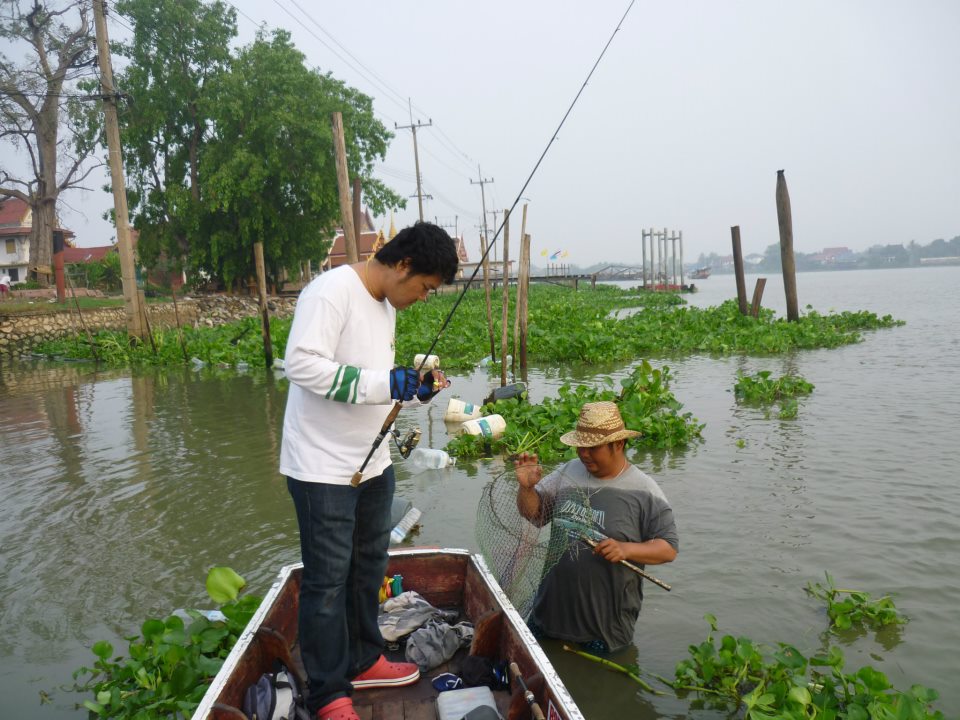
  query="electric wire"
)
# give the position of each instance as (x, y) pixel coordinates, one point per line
(553, 137)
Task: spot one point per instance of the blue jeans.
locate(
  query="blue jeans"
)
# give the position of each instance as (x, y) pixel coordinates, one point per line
(344, 535)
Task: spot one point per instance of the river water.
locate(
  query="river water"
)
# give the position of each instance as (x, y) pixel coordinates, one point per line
(121, 489)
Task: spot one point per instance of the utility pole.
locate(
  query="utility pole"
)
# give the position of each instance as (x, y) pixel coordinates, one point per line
(131, 298)
(413, 127)
(483, 197)
(455, 225)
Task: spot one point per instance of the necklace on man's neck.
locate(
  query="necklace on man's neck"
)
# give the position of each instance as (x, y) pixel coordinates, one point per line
(366, 281)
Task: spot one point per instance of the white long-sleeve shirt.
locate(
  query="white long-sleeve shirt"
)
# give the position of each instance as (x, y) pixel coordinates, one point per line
(338, 358)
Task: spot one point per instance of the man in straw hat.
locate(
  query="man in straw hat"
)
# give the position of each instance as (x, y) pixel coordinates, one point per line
(588, 597)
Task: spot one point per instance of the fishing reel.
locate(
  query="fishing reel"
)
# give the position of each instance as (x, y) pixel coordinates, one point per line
(407, 443)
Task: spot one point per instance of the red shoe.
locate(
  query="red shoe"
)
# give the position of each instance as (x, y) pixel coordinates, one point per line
(384, 673)
(339, 709)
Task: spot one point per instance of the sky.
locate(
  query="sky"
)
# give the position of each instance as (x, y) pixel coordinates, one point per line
(684, 124)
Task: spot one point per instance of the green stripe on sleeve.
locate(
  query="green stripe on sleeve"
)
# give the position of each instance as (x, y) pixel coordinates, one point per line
(336, 379)
(350, 377)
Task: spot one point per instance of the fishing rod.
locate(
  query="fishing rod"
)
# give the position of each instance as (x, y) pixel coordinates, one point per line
(398, 405)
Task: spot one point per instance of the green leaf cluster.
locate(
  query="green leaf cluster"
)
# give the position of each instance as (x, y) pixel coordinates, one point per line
(780, 683)
(850, 608)
(228, 147)
(171, 662)
(761, 389)
(592, 326)
(645, 401)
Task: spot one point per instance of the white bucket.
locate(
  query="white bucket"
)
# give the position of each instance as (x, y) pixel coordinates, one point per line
(432, 363)
(490, 427)
(459, 411)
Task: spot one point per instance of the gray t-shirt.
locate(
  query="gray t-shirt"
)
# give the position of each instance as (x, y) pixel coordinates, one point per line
(584, 597)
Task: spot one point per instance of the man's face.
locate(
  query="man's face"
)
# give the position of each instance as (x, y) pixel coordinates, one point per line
(410, 287)
(602, 461)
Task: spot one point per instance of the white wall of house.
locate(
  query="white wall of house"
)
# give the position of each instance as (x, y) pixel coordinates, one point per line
(14, 256)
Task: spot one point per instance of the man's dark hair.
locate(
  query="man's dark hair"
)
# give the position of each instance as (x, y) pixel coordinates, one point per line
(428, 248)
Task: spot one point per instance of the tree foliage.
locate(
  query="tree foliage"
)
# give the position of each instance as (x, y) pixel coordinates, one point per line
(40, 114)
(228, 149)
(178, 49)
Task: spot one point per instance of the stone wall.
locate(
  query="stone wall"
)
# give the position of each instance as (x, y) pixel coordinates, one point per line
(22, 331)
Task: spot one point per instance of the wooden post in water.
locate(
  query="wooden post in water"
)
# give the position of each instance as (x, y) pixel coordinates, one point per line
(681, 258)
(516, 314)
(523, 288)
(643, 255)
(666, 267)
(486, 292)
(262, 295)
(673, 258)
(505, 309)
(343, 188)
(738, 269)
(757, 296)
(785, 219)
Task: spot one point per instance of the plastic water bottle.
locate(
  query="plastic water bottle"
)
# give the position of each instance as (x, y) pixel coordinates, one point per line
(429, 459)
(403, 528)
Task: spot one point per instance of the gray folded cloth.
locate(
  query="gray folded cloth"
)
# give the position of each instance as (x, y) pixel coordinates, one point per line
(403, 614)
(436, 642)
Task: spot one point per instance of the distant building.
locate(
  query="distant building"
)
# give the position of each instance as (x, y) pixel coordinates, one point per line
(370, 241)
(834, 256)
(16, 223)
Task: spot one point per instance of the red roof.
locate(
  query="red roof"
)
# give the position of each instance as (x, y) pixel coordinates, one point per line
(12, 211)
(73, 255)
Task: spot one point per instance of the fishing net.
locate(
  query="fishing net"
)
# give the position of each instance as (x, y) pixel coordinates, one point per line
(519, 553)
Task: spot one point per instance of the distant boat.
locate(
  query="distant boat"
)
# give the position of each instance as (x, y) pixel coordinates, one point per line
(701, 273)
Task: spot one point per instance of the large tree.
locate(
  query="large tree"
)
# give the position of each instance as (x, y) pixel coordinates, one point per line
(177, 49)
(269, 169)
(40, 113)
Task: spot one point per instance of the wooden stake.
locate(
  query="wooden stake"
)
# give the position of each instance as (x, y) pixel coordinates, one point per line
(262, 294)
(486, 291)
(343, 187)
(176, 315)
(738, 269)
(785, 219)
(516, 315)
(505, 309)
(357, 217)
(757, 296)
(523, 288)
(146, 320)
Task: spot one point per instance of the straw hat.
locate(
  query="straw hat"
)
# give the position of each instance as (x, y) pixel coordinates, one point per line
(599, 423)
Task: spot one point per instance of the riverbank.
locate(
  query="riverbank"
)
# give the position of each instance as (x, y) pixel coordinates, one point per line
(21, 330)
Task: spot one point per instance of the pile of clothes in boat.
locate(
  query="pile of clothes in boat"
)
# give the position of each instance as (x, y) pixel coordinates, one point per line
(430, 635)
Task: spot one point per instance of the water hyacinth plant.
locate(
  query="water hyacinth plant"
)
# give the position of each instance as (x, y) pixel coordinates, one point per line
(171, 662)
(780, 682)
(848, 608)
(644, 399)
(605, 324)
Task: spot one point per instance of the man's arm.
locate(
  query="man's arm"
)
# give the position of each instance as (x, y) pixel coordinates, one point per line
(651, 552)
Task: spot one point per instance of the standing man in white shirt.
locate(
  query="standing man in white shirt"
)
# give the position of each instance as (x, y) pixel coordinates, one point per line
(340, 363)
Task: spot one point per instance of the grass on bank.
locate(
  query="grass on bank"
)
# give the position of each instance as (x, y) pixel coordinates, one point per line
(565, 326)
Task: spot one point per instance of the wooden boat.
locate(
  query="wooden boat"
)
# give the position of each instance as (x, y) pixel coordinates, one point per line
(446, 578)
(701, 273)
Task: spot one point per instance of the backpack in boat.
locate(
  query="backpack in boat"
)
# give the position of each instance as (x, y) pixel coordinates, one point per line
(275, 696)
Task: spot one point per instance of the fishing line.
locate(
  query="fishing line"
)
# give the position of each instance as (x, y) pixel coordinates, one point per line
(525, 184)
(385, 429)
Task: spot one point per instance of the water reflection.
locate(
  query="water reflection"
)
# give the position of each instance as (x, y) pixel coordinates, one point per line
(121, 489)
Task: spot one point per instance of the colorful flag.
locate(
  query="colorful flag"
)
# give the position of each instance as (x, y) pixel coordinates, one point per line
(555, 255)
(543, 253)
